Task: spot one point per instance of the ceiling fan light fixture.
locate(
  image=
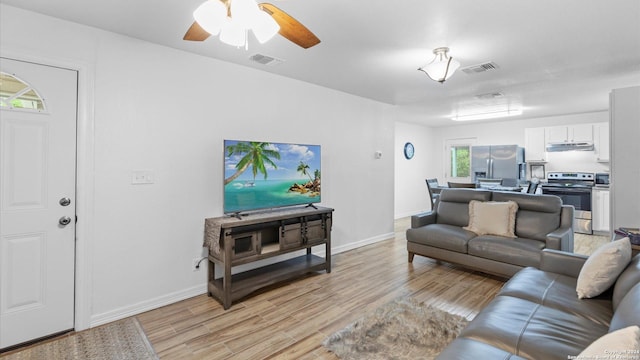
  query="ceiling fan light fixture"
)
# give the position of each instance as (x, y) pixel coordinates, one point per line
(232, 33)
(245, 12)
(441, 67)
(265, 27)
(210, 15)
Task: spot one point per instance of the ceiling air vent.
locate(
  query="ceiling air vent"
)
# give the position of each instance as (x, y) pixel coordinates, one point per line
(489, 96)
(474, 69)
(265, 60)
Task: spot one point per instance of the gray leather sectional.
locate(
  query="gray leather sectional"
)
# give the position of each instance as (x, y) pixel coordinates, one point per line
(537, 314)
(542, 222)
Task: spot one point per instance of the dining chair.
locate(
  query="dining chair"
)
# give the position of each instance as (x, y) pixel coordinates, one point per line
(431, 185)
(462, 185)
(531, 189)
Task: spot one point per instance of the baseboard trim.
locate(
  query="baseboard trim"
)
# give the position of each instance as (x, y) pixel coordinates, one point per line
(151, 304)
(357, 244)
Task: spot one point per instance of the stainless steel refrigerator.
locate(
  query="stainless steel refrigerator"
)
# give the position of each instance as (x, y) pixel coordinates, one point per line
(499, 162)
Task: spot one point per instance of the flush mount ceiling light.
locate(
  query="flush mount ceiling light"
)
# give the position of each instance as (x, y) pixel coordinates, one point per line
(232, 20)
(493, 114)
(441, 67)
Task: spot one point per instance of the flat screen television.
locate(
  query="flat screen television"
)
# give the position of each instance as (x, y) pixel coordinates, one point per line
(263, 175)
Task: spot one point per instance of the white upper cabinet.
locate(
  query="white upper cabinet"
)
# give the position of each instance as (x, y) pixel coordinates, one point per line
(534, 148)
(601, 141)
(571, 133)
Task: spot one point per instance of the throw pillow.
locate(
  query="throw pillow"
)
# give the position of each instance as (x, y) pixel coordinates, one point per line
(620, 344)
(603, 267)
(492, 218)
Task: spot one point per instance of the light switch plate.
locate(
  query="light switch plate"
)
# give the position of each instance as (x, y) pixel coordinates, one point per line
(139, 177)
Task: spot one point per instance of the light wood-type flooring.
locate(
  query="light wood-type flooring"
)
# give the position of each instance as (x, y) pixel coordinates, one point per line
(292, 320)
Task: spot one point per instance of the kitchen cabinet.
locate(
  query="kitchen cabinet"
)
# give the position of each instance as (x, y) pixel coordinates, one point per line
(570, 133)
(600, 210)
(534, 139)
(601, 141)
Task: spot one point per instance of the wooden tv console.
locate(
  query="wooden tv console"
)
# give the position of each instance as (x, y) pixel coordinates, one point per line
(232, 242)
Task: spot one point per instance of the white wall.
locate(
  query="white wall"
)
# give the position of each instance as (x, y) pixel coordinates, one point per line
(411, 195)
(625, 157)
(166, 110)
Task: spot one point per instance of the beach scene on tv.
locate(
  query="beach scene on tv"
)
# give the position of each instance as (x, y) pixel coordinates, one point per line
(261, 175)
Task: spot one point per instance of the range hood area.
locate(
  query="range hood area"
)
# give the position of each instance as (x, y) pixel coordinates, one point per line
(570, 146)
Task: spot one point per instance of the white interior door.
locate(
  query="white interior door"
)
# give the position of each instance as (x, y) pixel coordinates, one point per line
(37, 190)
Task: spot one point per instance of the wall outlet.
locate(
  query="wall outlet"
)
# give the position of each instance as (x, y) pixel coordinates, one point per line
(139, 177)
(194, 264)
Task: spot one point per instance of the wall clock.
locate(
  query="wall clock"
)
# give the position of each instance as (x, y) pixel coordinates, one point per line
(408, 150)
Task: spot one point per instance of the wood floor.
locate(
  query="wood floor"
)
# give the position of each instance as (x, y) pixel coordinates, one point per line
(291, 321)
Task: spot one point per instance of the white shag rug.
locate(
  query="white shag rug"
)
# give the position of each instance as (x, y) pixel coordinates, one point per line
(401, 329)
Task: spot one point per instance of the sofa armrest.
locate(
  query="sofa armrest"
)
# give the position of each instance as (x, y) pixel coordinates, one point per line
(423, 219)
(561, 239)
(562, 262)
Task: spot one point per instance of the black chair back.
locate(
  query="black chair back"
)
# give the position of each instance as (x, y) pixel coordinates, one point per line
(432, 184)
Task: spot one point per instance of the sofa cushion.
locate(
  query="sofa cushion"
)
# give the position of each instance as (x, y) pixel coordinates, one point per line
(442, 236)
(537, 215)
(620, 344)
(627, 313)
(628, 279)
(532, 330)
(603, 267)
(492, 218)
(519, 251)
(469, 349)
(559, 292)
(453, 205)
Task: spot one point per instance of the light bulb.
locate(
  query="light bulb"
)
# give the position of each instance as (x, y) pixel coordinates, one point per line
(265, 27)
(210, 16)
(233, 33)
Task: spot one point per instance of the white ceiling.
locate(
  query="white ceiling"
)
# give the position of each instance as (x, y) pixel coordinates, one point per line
(554, 57)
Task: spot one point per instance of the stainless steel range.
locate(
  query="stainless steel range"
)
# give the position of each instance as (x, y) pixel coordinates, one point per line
(574, 188)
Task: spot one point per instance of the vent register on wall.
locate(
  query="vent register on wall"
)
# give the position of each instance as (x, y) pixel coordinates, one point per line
(263, 175)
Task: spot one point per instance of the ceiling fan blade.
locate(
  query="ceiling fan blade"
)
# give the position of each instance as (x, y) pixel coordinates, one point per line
(291, 28)
(196, 33)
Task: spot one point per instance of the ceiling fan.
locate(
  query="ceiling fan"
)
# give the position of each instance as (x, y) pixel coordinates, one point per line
(233, 18)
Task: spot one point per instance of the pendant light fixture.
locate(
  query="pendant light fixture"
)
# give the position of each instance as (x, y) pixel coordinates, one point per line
(441, 67)
(233, 19)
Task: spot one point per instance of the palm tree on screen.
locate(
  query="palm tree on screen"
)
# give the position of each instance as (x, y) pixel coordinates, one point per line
(257, 154)
(303, 169)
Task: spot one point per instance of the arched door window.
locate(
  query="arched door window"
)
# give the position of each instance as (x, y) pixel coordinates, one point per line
(17, 94)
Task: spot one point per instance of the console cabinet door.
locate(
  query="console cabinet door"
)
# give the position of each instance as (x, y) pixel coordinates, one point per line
(315, 232)
(245, 244)
(291, 236)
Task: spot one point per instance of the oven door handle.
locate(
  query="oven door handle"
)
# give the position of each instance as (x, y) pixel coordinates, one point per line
(567, 190)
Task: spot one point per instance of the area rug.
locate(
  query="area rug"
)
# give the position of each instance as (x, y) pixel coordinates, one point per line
(120, 340)
(401, 329)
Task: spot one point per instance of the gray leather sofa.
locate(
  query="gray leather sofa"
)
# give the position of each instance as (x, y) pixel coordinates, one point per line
(542, 222)
(537, 314)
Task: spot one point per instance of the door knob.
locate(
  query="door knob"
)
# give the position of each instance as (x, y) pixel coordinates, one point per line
(65, 201)
(65, 220)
